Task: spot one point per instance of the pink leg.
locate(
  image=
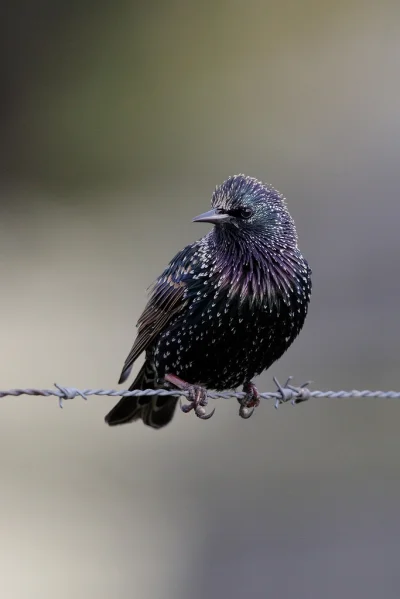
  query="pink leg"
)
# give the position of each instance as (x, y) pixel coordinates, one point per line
(197, 396)
(251, 400)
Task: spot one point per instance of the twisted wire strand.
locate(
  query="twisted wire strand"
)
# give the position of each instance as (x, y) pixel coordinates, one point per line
(284, 393)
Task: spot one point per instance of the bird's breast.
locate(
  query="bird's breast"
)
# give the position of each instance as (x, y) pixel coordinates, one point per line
(224, 339)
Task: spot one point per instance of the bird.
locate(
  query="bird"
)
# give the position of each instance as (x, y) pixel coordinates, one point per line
(225, 308)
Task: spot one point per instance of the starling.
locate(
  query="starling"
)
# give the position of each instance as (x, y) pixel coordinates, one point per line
(225, 308)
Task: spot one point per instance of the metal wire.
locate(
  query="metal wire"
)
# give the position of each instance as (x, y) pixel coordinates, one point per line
(284, 393)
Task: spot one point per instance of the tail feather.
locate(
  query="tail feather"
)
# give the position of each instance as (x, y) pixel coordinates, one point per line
(155, 411)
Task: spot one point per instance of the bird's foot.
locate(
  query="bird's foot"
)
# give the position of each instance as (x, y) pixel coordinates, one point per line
(288, 392)
(250, 401)
(197, 397)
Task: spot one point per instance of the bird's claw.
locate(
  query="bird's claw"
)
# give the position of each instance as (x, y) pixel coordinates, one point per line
(287, 391)
(197, 397)
(245, 412)
(250, 401)
(197, 401)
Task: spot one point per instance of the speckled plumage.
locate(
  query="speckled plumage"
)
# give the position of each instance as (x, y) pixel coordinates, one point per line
(226, 307)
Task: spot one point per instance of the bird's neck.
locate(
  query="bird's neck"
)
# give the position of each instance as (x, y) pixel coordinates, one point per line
(256, 266)
(239, 247)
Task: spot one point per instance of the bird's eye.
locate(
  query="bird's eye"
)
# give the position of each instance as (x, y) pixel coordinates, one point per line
(241, 212)
(245, 212)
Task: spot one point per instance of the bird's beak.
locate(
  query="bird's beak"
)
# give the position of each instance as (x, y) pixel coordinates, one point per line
(212, 216)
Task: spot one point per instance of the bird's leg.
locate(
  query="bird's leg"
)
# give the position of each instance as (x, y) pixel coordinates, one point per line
(252, 395)
(250, 400)
(197, 396)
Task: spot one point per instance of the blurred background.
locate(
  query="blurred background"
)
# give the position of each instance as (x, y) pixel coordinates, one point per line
(118, 119)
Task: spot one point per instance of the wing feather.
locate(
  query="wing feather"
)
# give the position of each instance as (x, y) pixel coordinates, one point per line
(167, 299)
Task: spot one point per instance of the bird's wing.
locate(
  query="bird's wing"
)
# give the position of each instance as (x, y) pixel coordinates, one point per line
(168, 298)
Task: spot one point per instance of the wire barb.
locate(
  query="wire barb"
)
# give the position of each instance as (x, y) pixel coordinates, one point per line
(288, 392)
(68, 393)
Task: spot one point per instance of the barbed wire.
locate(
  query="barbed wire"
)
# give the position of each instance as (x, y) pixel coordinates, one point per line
(284, 393)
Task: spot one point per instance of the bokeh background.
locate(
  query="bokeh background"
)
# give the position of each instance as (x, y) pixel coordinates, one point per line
(117, 120)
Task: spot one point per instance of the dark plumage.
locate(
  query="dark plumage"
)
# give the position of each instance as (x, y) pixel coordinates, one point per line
(226, 307)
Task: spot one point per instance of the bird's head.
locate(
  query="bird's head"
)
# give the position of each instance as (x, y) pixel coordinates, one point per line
(245, 206)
